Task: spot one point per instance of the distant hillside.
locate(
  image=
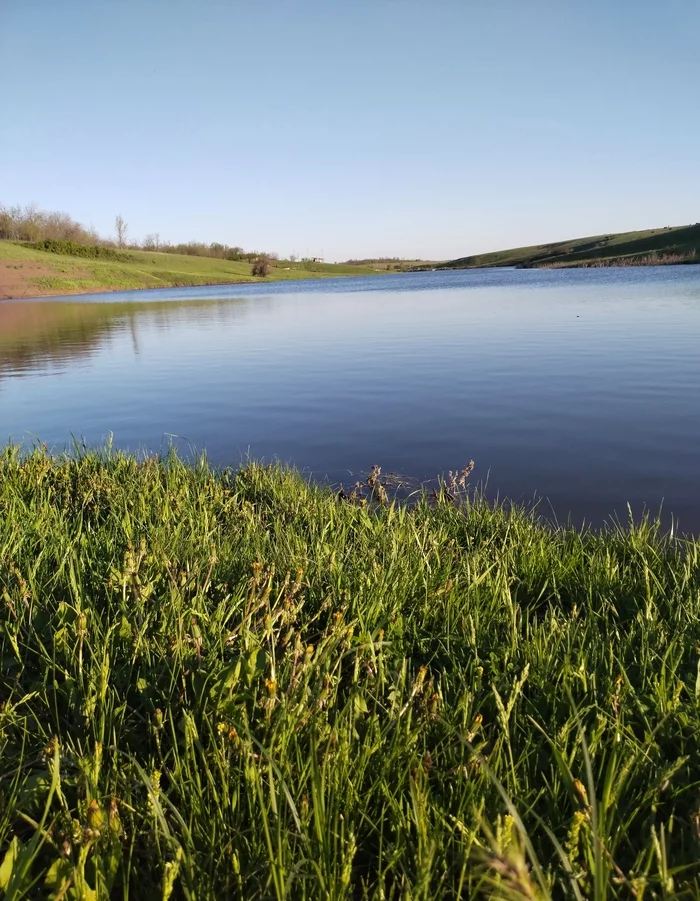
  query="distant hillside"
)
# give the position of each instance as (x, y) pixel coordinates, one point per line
(679, 244)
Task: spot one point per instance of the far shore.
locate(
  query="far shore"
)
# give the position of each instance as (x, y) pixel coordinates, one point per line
(86, 292)
(29, 273)
(101, 290)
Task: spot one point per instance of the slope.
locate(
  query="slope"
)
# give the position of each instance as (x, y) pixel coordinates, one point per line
(681, 244)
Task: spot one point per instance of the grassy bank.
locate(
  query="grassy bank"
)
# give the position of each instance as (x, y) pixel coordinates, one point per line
(28, 272)
(652, 247)
(240, 686)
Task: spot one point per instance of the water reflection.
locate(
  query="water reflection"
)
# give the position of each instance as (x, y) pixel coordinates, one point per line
(34, 335)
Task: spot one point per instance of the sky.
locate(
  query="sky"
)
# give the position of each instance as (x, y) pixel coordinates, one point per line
(354, 128)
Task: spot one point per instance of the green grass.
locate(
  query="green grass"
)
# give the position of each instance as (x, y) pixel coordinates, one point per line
(682, 241)
(144, 269)
(236, 685)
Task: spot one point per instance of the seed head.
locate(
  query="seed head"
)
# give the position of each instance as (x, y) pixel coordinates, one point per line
(581, 792)
(95, 816)
(114, 820)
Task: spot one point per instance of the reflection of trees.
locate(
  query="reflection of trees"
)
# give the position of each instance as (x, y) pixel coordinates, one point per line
(36, 334)
(33, 335)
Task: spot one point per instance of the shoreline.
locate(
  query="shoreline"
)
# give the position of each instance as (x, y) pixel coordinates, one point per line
(204, 284)
(30, 273)
(105, 290)
(115, 290)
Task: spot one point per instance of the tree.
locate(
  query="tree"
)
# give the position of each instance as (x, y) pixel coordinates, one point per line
(121, 229)
(262, 267)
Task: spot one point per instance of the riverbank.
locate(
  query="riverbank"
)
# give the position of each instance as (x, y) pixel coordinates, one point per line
(26, 272)
(245, 686)
(651, 259)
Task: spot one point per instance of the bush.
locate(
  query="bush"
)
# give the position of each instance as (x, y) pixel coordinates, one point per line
(88, 251)
(262, 267)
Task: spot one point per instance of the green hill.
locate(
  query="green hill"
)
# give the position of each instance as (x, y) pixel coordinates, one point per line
(679, 244)
(28, 272)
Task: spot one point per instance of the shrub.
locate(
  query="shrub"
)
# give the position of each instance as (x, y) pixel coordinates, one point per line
(88, 251)
(262, 267)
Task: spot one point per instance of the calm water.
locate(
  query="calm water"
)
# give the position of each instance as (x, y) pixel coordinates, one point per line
(581, 387)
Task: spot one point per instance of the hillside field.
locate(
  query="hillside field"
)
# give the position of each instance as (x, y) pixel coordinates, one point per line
(661, 245)
(25, 272)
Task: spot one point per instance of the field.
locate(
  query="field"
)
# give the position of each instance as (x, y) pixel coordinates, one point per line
(654, 246)
(237, 685)
(25, 272)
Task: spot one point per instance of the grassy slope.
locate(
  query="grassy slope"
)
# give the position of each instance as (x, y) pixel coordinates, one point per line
(246, 688)
(681, 240)
(72, 275)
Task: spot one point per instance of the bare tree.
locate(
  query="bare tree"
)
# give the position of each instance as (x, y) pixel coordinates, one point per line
(121, 229)
(151, 242)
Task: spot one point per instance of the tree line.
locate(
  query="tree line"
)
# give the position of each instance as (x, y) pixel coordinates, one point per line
(28, 223)
(32, 225)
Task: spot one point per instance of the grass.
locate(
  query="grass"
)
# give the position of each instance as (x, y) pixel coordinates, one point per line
(68, 274)
(652, 247)
(238, 685)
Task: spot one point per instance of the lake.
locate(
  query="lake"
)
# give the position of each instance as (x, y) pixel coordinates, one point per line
(577, 387)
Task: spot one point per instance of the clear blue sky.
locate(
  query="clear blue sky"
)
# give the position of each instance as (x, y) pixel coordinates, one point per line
(429, 128)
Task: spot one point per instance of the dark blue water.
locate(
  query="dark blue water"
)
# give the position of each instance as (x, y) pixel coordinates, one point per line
(581, 387)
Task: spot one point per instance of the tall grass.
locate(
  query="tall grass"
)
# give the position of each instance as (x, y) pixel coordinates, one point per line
(237, 685)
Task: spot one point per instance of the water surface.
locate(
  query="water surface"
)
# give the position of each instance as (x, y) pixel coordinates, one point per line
(580, 387)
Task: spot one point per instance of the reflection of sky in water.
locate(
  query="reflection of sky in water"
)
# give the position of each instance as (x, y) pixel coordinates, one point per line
(581, 386)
